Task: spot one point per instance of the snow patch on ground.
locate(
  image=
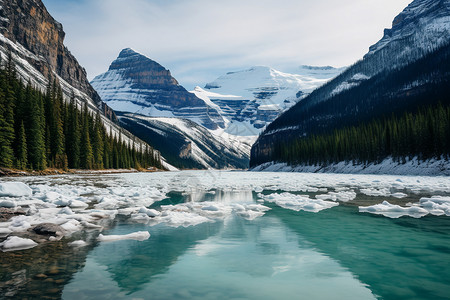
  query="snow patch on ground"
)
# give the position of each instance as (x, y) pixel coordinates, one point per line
(412, 167)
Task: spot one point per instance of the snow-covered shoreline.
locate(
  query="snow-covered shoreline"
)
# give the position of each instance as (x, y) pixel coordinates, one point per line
(412, 167)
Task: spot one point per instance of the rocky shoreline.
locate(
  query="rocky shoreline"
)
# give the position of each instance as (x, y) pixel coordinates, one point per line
(5, 172)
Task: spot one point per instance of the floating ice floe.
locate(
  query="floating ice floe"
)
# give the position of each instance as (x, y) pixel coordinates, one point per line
(436, 205)
(394, 211)
(14, 189)
(343, 196)
(13, 243)
(79, 243)
(383, 192)
(5, 232)
(149, 212)
(138, 236)
(194, 213)
(298, 202)
(399, 195)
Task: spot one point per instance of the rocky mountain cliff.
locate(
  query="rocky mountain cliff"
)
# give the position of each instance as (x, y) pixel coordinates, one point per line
(36, 43)
(135, 83)
(28, 25)
(424, 23)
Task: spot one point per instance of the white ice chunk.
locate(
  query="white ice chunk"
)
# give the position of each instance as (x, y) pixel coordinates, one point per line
(250, 214)
(399, 195)
(436, 205)
(65, 211)
(139, 236)
(71, 226)
(299, 202)
(79, 243)
(53, 197)
(14, 189)
(13, 243)
(394, 211)
(376, 192)
(62, 202)
(343, 196)
(19, 223)
(149, 212)
(77, 204)
(5, 232)
(8, 203)
(91, 225)
(183, 219)
(210, 208)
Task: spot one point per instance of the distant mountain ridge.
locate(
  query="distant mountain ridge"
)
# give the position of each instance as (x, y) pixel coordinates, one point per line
(252, 98)
(232, 110)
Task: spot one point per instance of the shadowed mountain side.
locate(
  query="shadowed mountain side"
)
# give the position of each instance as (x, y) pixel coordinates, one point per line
(186, 144)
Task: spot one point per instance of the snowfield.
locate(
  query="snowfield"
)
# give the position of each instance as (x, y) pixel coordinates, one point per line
(91, 202)
(433, 167)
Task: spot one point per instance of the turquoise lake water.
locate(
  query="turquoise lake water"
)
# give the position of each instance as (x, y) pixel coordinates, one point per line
(337, 253)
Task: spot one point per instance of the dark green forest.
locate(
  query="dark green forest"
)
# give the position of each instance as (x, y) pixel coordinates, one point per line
(40, 130)
(424, 134)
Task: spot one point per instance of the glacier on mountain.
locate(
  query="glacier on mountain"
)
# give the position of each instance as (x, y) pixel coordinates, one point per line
(252, 98)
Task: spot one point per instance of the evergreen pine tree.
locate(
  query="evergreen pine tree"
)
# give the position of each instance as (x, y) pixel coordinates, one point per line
(21, 154)
(86, 154)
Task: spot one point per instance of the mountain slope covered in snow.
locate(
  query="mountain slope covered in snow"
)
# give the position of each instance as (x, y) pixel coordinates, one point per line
(187, 145)
(252, 98)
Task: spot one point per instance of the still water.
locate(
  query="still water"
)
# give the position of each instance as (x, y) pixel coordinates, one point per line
(337, 253)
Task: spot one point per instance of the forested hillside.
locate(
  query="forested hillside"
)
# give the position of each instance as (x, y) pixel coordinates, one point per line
(41, 129)
(368, 115)
(424, 134)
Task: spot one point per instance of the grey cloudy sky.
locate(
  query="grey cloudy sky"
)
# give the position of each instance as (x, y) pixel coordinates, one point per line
(199, 40)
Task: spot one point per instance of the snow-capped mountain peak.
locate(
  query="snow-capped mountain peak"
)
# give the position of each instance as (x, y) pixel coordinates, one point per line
(424, 22)
(135, 83)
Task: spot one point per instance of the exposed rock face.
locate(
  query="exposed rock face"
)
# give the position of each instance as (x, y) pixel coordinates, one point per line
(48, 229)
(135, 83)
(28, 23)
(422, 22)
